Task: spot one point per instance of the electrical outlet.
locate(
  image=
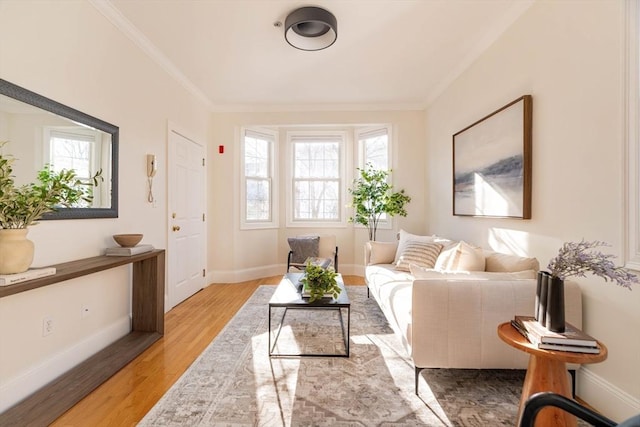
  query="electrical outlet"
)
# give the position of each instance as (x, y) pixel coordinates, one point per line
(47, 325)
(86, 311)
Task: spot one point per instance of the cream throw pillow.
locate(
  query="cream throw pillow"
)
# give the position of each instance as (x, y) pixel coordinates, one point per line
(463, 257)
(423, 254)
(505, 262)
(382, 252)
(405, 237)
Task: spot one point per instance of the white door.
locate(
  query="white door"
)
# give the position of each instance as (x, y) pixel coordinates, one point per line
(186, 203)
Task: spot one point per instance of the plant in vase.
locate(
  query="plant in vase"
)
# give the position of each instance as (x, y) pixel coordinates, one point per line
(577, 259)
(22, 206)
(319, 281)
(372, 197)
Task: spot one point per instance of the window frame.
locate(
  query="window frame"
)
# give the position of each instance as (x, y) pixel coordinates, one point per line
(385, 223)
(272, 136)
(96, 151)
(631, 96)
(291, 137)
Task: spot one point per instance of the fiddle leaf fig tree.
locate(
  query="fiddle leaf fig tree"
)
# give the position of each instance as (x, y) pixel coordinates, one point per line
(373, 196)
(22, 206)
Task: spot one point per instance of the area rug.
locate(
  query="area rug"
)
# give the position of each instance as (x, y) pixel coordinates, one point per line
(235, 383)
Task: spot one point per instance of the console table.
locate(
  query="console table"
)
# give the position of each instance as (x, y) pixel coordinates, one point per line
(147, 311)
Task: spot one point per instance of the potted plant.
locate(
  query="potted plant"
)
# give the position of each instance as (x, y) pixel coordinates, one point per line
(22, 206)
(576, 259)
(318, 282)
(373, 196)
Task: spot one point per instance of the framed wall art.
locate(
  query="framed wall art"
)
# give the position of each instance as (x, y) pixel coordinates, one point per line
(492, 164)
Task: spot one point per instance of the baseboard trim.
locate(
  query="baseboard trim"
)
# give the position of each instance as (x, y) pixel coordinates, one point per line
(605, 397)
(27, 382)
(234, 276)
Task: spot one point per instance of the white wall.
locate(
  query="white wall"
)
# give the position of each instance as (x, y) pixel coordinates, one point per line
(236, 254)
(568, 55)
(69, 52)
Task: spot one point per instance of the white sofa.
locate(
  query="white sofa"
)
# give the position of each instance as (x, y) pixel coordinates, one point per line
(449, 319)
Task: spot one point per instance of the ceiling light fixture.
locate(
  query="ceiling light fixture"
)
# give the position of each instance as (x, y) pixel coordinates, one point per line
(310, 28)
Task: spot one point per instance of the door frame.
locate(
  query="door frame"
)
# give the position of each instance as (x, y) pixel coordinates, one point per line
(173, 127)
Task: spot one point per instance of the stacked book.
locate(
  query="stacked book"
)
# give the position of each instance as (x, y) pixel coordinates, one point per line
(572, 339)
(134, 250)
(32, 273)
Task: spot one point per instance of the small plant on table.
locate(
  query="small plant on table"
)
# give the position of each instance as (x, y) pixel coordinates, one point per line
(319, 282)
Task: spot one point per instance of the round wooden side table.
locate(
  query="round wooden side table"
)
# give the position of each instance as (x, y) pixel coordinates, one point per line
(547, 371)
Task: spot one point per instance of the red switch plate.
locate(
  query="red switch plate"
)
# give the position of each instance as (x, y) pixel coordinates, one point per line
(221, 149)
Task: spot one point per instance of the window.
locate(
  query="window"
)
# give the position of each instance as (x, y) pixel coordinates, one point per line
(373, 146)
(78, 149)
(316, 177)
(374, 149)
(632, 92)
(258, 148)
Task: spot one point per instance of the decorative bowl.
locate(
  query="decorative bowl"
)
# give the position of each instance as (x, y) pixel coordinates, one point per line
(127, 240)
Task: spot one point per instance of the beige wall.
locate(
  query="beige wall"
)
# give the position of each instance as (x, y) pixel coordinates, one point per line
(568, 55)
(69, 52)
(236, 254)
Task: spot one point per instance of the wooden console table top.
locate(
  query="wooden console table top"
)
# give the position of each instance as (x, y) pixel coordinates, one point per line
(147, 323)
(72, 269)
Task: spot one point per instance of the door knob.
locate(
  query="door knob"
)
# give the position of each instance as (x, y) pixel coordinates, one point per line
(176, 228)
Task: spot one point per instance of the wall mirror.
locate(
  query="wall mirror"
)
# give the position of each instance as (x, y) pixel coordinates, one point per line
(40, 131)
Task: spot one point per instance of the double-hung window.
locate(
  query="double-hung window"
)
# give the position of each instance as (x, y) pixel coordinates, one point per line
(374, 147)
(317, 177)
(374, 150)
(76, 149)
(258, 169)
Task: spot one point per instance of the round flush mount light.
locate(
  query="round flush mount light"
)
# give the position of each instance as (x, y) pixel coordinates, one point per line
(310, 28)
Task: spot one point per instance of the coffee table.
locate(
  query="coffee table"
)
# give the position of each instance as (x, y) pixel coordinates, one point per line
(288, 296)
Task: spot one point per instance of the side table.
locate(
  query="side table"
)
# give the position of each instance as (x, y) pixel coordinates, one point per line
(547, 371)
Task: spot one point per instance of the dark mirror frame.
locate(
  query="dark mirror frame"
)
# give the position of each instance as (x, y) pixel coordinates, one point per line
(21, 94)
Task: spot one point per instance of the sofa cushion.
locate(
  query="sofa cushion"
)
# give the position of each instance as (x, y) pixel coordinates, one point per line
(496, 261)
(461, 257)
(423, 254)
(382, 252)
(405, 237)
(303, 247)
(428, 273)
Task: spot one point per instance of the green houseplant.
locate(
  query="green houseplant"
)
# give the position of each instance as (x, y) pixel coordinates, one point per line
(22, 206)
(373, 196)
(319, 281)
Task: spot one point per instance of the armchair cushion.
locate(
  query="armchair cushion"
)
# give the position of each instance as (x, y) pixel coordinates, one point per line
(303, 248)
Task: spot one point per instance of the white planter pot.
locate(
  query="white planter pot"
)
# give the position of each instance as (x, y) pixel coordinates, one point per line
(16, 251)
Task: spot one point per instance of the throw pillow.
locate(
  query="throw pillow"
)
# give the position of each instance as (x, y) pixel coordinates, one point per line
(505, 262)
(446, 256)
(422, 254)
(465, 257)
(405, 237)
(303, 248)
(382, 252)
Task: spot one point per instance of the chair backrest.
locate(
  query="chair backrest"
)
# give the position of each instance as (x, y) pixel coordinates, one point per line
(327, 246)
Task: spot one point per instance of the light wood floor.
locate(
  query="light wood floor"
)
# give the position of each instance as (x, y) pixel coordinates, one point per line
(127, 396)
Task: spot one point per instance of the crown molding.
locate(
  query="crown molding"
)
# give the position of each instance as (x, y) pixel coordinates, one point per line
(106, 8)
(494, 32)
(282, 108)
